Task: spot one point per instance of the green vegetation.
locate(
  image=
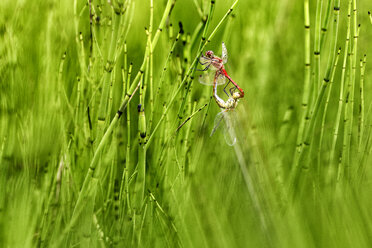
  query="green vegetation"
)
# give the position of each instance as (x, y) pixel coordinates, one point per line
(105, 131)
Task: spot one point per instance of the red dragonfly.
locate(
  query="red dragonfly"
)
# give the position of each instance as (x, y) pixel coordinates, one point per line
(210, 61)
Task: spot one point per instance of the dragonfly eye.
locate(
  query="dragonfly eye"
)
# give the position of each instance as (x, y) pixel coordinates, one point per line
(209, 54)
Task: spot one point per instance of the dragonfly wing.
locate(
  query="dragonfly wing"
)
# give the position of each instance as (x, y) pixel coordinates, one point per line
(229, 132)
(204, 60)
(224, 119)
(221, 79)
(207, 78)
(224, 53)
(217, 122)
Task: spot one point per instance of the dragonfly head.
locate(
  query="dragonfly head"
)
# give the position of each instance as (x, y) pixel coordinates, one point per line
(209, 54)
(236, 95)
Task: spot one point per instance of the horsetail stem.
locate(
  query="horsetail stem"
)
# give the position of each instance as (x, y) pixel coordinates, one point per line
(126, 88)
(139, 187)
(94, 161)
(325, 24)
(331, 61)
(125, 70)
(189, 118)
(326, 107)
(154, 42)
(349, 104)
(110, 63)
(151, 69)
(318, 23)
(162, 75)
(207, 21)
(198, 8)
(361, 104)
(299, 162)
(342, 93)
(307, 69)
(61, 90)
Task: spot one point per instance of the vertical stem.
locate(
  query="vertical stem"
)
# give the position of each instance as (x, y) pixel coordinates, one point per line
(325, 23)
(351, 88)
(139, 187)
(331, 61)
(299, 162)
(161, 80)
(125, 74)
(61, 89)
(356, 29)
(361, 107)
(307, 69)
(342, 84)
(151, 67)
(102, 110)
(345, 150)
(325, 112)
(318, 22)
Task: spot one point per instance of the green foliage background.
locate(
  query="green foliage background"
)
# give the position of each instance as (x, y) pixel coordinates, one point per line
(182, 188)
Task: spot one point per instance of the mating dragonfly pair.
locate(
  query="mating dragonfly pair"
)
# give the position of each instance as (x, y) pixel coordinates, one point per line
(218, 76)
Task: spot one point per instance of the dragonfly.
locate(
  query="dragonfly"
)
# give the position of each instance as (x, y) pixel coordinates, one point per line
(210, 61)
(225, 117)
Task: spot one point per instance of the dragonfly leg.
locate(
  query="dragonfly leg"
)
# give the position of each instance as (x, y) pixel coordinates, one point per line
(224, 89)
(203, 63)
(206, 68)
(232, 89)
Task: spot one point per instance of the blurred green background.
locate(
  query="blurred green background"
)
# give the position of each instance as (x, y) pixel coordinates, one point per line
(197, 190)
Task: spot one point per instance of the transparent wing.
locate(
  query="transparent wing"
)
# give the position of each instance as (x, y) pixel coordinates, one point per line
(224, 53)
(221, 79)
(229, 130)
(224, 119)
(204, 60)
(217, 121)
(208, 77)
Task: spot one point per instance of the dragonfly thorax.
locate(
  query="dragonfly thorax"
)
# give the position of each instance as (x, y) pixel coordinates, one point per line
(231, 103)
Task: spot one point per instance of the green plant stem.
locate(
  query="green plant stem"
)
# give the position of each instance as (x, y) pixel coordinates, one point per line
(341, 96)
(151, 69)
(162, 75)
(110, 63)
(331, 67)
(61, 89)
(361, 105)
(139, 187)
(307, 90)
(300, 163)
(189, 118)
(349, 106)
(318, 22)
(325, 111)
(353, 63)
(93, 163)
(325, 23)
